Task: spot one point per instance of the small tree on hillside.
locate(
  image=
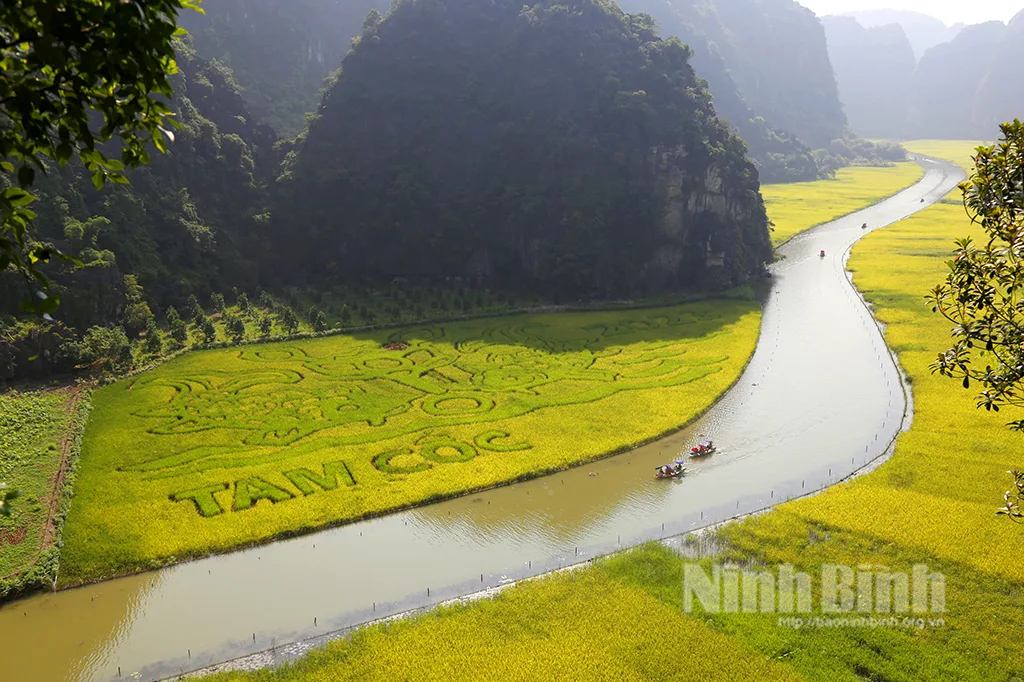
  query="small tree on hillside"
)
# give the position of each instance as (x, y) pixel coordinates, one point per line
(983, 295)
(137, 315)
(179, 332)
(172, 316)
(289, 320)
(266, 326)
(236, 329)
(208, 331)
(192, 309)
(154, 342)
(217, 303)
(319, 321)
(243, 303)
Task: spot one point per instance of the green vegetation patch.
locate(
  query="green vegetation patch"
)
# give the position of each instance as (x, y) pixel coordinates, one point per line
(38, 442)
(220, 448)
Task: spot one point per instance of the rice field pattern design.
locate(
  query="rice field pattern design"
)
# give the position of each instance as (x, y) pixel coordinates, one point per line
(289, 401)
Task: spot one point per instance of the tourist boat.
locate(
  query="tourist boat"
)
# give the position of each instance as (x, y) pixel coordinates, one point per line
(673, 470)
(703, 450)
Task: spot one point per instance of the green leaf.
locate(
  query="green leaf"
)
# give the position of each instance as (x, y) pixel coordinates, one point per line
(99, 179)
(17, 197)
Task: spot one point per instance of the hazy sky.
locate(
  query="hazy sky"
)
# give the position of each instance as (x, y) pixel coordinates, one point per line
(949, 11)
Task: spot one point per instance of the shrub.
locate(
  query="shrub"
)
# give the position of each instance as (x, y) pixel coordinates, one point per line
(266, 326)
(192, 308)
(209, 331)
(236, 329)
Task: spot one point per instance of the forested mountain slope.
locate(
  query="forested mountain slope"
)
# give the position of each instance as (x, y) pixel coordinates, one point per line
(186, 222)
(279, 50)
(875, 69)
(484, 138)
(959, 90)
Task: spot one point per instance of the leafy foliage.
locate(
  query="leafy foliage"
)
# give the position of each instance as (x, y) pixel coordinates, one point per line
(77, 75)
(983, 294)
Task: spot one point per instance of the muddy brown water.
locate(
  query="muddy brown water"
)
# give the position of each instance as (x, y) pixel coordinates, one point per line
(820, 399)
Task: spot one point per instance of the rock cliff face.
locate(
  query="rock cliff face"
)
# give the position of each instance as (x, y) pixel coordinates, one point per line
(516, 143)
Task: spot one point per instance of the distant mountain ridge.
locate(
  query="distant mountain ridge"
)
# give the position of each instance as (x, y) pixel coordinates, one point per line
(961, 89)
(922, 31)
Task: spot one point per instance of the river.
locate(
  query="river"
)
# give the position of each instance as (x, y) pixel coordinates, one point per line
(821, 398)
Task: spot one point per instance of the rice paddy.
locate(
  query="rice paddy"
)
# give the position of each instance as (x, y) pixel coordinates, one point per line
(223, 448)
(35, 436)
(797, 207)
(583, 625)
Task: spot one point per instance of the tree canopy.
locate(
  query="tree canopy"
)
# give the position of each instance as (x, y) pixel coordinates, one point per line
(983, 294)
(78, 74)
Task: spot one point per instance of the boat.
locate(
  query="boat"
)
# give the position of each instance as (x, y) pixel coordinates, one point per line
(673, 470)
(703, 450)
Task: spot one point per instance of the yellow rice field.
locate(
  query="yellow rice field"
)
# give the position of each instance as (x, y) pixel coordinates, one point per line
(229, 447)
(570, 627)
(796, 207)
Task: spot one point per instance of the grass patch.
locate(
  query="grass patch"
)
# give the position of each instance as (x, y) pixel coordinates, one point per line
(39, 433)
(581, 625)
(234, 446)
(797, 207)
